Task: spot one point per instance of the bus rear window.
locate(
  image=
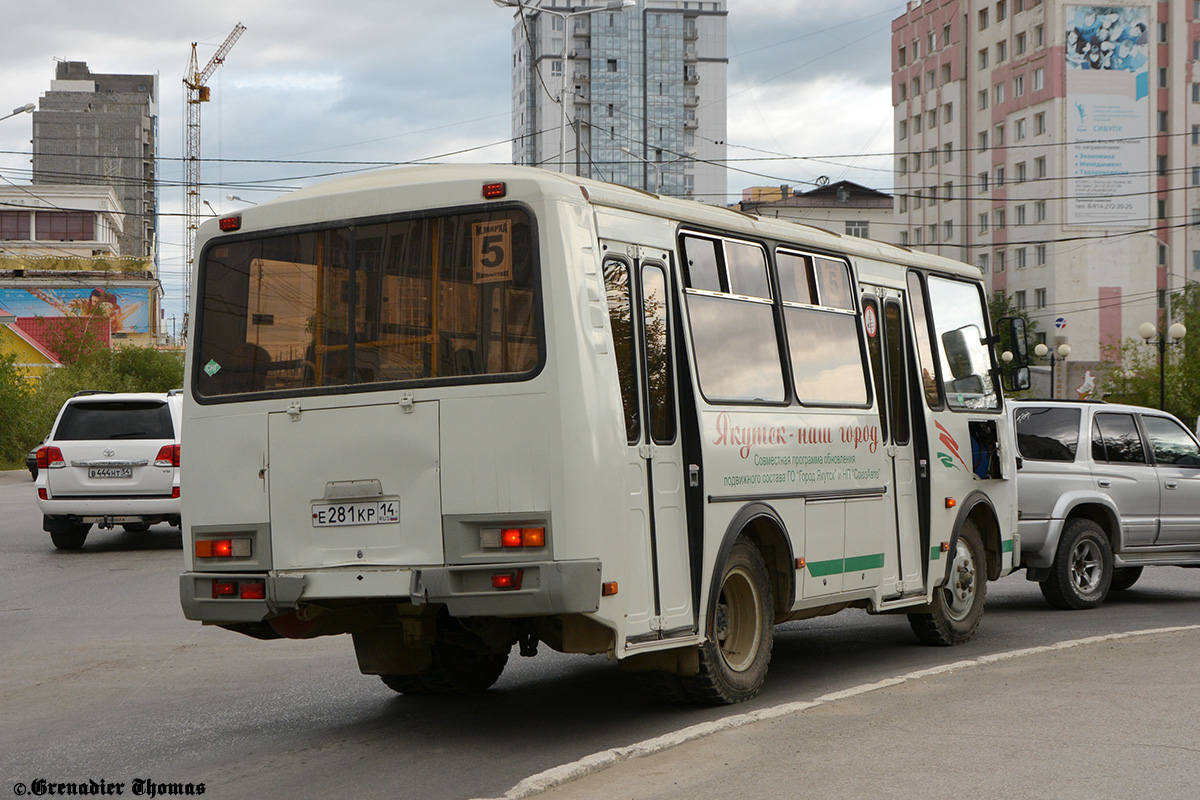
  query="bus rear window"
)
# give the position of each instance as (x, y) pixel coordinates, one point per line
(450, 298)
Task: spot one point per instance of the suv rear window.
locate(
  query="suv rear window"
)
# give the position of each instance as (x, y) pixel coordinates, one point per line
(115, 420)
(1047, 434)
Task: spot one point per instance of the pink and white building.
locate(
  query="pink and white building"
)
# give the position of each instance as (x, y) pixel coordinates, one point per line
(1056, 145)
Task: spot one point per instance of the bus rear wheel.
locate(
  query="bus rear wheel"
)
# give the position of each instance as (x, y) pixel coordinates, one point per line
(957, 607)
(453, 670)
(734, 658)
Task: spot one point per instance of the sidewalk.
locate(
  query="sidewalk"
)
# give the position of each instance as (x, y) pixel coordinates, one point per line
(1106, 718)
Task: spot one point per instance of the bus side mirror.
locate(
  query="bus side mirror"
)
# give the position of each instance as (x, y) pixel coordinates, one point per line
(1016, 355)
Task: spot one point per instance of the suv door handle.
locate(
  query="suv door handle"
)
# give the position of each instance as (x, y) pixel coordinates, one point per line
(1172, 485)
(1104, 483)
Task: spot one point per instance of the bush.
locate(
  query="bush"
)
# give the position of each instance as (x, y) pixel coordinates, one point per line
(16, 433)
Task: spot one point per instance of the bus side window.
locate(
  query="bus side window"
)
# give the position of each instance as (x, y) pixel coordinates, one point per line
(620, 316)
(656, 333)
(874, 333)
(701, 264)
(797, 284)
(925, 355)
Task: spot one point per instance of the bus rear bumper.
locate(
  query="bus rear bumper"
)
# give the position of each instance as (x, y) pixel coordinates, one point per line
(537, 588)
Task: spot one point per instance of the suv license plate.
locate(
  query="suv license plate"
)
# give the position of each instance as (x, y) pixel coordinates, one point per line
(110, 472)
(370, 512)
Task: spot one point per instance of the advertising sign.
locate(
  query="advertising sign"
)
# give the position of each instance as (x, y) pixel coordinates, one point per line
(127, 308)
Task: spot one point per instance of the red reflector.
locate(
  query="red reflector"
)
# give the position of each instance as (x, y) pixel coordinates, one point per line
(510, 537)
(231, 223)
(608, 589)
(42, 494)
(175, 493)
(494, 190)
(254, 590)
(225, 589)
(507, 580)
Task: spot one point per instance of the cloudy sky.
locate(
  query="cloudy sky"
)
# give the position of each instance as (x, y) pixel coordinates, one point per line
(316, 88)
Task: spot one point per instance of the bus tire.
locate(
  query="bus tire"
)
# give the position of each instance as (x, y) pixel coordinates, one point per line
(453, 670)
(1082, 570)
(737, 651)
(1123, 578)
(957, 607)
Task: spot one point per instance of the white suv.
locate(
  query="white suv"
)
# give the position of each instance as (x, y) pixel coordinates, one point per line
(110, 459)
(1103, 491)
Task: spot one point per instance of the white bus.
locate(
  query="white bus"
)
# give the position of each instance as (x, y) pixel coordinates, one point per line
(452, 409)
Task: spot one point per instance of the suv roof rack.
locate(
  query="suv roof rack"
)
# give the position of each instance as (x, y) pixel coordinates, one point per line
(173, 392)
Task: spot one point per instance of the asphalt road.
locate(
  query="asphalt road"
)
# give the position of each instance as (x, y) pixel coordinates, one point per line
(101, 678)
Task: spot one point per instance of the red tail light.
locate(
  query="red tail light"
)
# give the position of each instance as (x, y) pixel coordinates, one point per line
(224, 589)
(253, 590)
(168, 456)
(50, 458)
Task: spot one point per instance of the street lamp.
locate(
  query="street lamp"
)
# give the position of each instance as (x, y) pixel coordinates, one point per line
(1174, 332)
(25, 109)
(1062, 351)
(657, 166)
(613, 5)
(240, 199)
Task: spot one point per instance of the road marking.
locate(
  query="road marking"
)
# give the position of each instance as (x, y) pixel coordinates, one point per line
(557, 776)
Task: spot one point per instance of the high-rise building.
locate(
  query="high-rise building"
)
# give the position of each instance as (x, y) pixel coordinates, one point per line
(644, 103)
(94, 129)
(1057, 146)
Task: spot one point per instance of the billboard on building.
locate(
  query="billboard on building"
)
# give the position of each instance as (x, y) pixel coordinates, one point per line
(127, 307)
(1108, 114)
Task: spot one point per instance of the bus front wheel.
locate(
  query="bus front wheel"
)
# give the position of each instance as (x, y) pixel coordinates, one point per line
(957, 607)
(734, 658)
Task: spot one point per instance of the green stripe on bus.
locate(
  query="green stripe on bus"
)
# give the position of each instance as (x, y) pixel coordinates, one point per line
(836, 566)
(935, 553)
(1006, 546)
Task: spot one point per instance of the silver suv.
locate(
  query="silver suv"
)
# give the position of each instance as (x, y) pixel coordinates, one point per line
(110, 459)
(1103, 491)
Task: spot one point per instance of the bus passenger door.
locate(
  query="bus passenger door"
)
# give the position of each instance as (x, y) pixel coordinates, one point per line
(643, 331)
(888, 346)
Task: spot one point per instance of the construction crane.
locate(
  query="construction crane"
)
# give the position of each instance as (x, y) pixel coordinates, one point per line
(196, 92)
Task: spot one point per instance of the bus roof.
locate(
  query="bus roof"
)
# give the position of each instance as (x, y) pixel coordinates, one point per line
(545, 182)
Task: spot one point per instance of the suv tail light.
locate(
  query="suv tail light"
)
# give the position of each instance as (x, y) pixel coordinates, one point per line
(168, 456)
(50, 458)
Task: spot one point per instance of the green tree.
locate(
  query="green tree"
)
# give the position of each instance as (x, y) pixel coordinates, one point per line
(16, 432)
(1000, 306)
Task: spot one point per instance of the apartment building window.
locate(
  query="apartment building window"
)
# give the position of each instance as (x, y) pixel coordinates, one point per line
(1019, 86)
(947, 191)
(916, 157)
(903, 204)
(998, 139)
(1039, 298)
(1021, 214)
(983, 222)
(983, 19)
(904, 238)
(1019, 299)
(932, 157)
(1195, 176)
(1020, 258)
(983, 263)
(1196, 259)
(948, 230)
(948, 152)
(1001, 10)
(902, 91)
(1039, 211)
(983, 141)
(999, 261)
(1162, 166)
(946, 74)
(916, 47)
(902, 165)
(902, 129)
(1039, 166)
(556, 67)
(916, 199)
(983, 183)
(1020, 168)
(931, 42)
(611, 65)
(1018, 6)
(983, 99)
(933, 233)
(998, 219)
(1196, 92)
(946, 35)
(930, 81)
(1039, 255)
(1019, 131)
(1196, 50)
(931, 119)
(983, 58)
(1162, 122)
(1162, 33)
(917, 232)
(1001, 52)
(916, 87)
(998, 96)
(1039, 123)
(1162, 77)
(859, 228)
(1039, 79)
(1162, 209)
(1039, 36)
(932, 195)
(1019, 44)
(1196, 134)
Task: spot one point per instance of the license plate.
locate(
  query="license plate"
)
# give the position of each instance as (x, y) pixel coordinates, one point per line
(363, 512)
(110, 472)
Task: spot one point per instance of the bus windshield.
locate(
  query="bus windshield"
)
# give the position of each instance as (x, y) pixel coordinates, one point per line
(451, 297)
